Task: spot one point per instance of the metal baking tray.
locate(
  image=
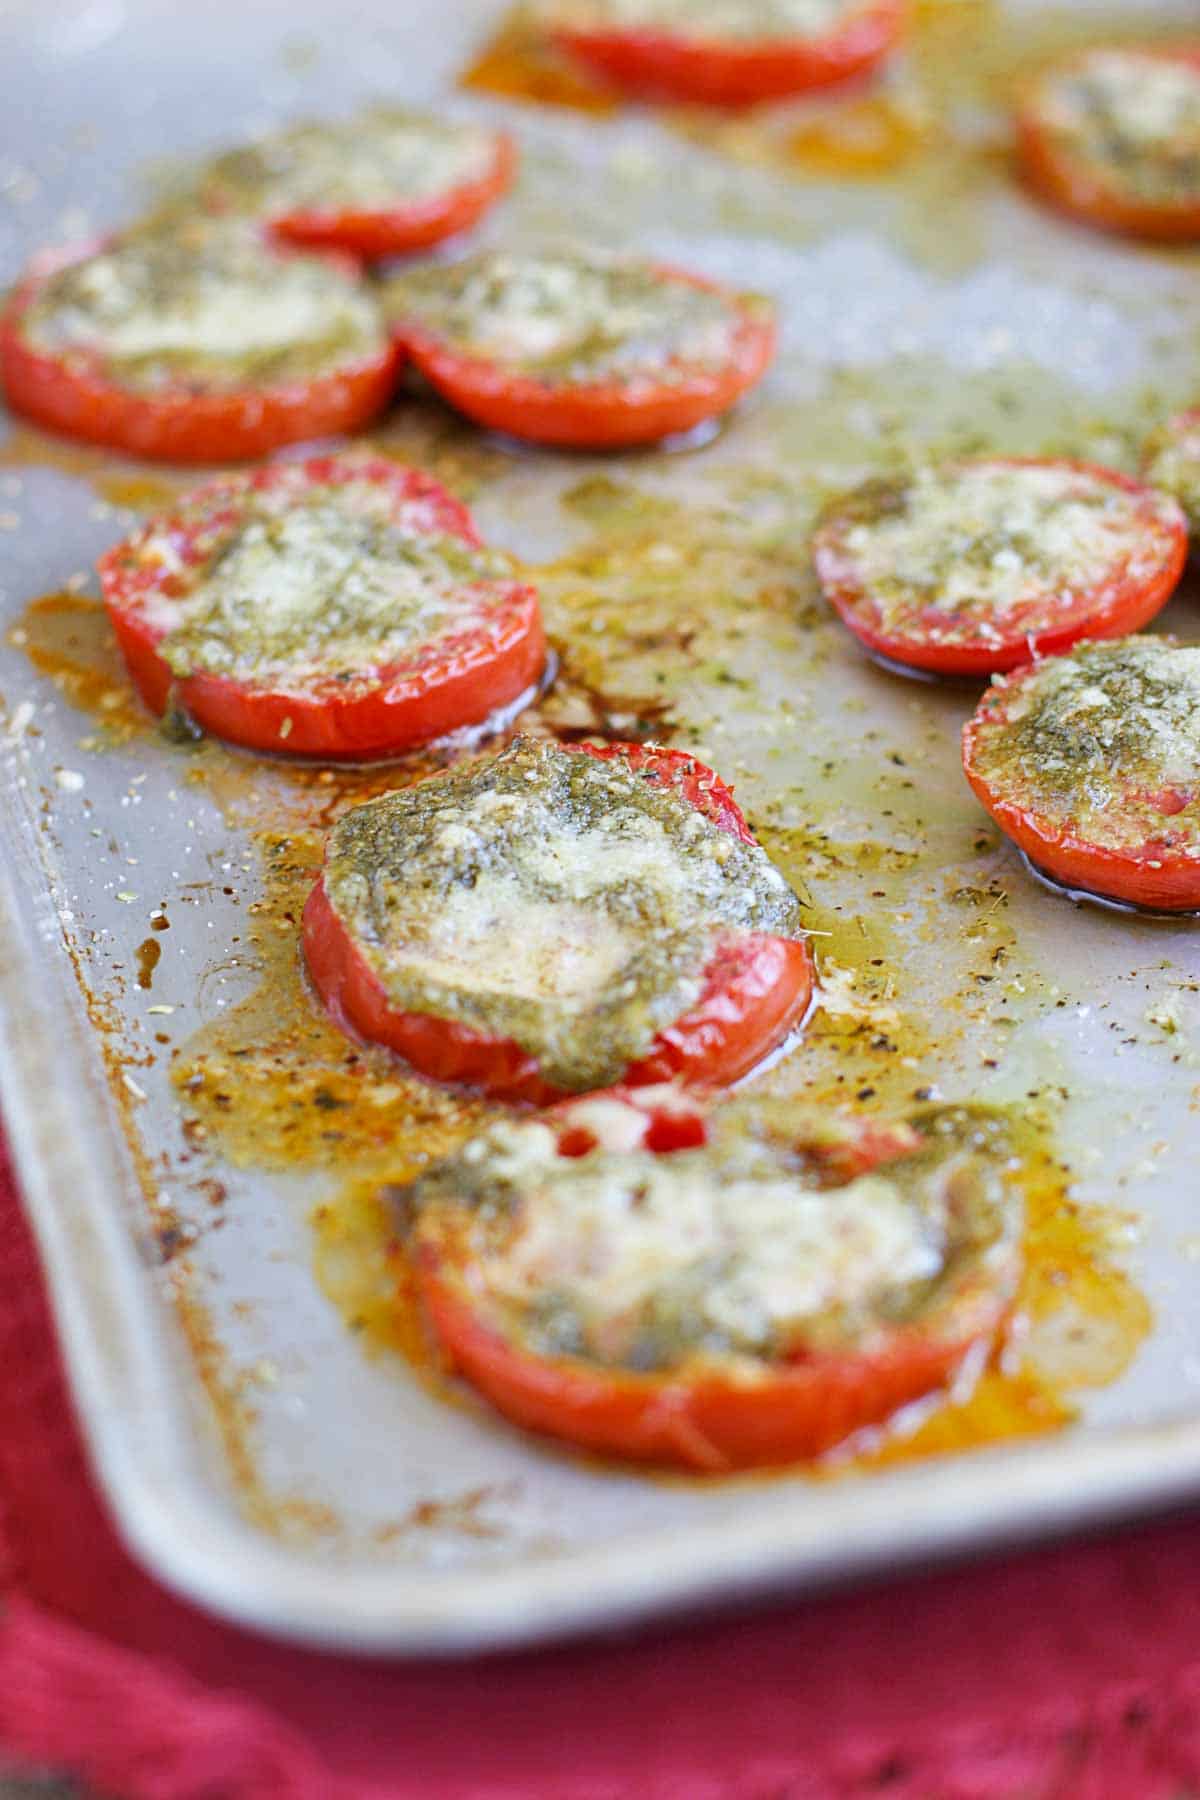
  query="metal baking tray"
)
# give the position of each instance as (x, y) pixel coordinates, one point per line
(257, 1454)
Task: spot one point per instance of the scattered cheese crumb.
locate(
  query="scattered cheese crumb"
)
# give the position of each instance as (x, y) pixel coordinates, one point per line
(1166, 1015)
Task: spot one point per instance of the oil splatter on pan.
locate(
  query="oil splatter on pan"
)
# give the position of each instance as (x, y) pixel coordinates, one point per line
(203, 1152)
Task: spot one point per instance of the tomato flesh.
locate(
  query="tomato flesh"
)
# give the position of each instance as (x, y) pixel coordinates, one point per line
(456, 680)
(659, 64)
(757, 987)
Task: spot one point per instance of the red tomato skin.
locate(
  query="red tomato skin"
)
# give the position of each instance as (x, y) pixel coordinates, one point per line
(480, 672)
(596, 415)
(1126, 875)
(757, 988)
(662, 65)
(679, 1121)
(72, 395)
(1126, 607)
(712, 1422)
(374, 236)
(1074, 187)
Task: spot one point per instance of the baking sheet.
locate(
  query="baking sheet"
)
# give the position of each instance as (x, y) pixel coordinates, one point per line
(256, 1454)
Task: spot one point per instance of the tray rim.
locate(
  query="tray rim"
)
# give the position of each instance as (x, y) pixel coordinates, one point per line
(125, 1360)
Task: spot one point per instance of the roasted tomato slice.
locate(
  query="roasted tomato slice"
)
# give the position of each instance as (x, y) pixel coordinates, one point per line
(714, 53)
(974, 567)
(341, 607)
(751, 1293)
(556, 919)
(1173, 464)
(197, 343)
(578, 348)
(1112, 135)
(1091, 763)
(384, 183)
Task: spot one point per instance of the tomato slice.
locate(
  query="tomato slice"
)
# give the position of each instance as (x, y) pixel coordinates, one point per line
(193, 598)
(618, 406)
(1091, 764)
(259, 176)
(976, 567)
(1111, 135)
(757, 986)
(656, 62)
(79, 393)
(402, 229)
(503, 1279)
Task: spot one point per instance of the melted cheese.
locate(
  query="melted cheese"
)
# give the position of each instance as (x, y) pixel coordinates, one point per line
(569, 314)
(209, 303)
(381, 158)
(552, 949)
(1138, 114)
(724, 20)
(551, 898)
(775, 1252)
(313, 581)
(981, 541)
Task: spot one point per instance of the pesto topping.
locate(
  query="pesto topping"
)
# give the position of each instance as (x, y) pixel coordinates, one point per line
(383, 157)
(1105, 741)
(548, 897)
(976, 551)
(744, 1247)
(206, 305)
(305, 582)
(1174, 465)
(732, 21)
(1135, 113)
(571, 316)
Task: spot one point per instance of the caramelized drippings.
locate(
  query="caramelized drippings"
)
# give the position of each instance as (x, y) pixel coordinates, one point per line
(148, 953)
(141, 493)
(279, 1086)
(860, 141)
(67, 636)
(518, 63)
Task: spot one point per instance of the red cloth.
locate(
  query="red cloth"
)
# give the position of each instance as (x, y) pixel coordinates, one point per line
(1067, 1674)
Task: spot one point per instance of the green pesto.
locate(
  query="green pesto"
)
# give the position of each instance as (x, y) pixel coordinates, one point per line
(328, 586)
(599, 318)
(955, 1182)
(394, 864)
(1097, 734)
(180, 273)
